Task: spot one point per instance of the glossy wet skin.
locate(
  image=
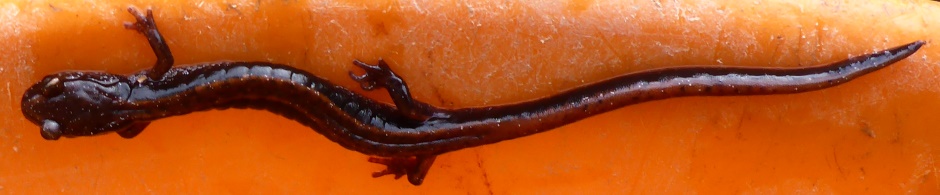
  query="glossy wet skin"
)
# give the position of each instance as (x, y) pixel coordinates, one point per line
(410, 132)
(77, 104)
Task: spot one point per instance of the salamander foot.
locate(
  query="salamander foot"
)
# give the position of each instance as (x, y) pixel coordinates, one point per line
(415, 167)
(376, 76)
(144, 23)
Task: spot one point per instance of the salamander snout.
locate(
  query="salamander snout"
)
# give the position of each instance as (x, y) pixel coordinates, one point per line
(76, 104)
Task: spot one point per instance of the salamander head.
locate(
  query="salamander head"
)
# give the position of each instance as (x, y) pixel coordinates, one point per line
(77, 104)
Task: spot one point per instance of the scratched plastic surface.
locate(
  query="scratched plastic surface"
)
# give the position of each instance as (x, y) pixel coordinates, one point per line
(878, 134)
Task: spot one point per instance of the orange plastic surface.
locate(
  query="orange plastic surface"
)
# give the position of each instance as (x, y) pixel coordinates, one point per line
(879, 134)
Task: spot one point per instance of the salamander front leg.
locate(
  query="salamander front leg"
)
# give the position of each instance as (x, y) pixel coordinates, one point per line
(133, 130)
(415, 167)
(381, 76)
(145, 25)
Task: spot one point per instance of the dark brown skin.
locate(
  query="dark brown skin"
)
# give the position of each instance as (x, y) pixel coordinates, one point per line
(410, 133)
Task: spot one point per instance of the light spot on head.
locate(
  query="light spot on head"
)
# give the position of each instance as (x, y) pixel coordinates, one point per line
(52, 82)
(50, 130)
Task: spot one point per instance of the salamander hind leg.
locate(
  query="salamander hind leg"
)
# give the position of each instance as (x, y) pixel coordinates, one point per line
(414, 167)
(376, 76)
(381, 76)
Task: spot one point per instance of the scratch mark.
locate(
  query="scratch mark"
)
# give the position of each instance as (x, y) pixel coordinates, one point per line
(486, 178)
(835, 158)
(9, 94)
(607, 44)
(341, 28)
(867, 130)
(417, 6)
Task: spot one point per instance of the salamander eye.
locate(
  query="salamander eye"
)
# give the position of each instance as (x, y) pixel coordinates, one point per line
(53, 87)
(50, 130)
